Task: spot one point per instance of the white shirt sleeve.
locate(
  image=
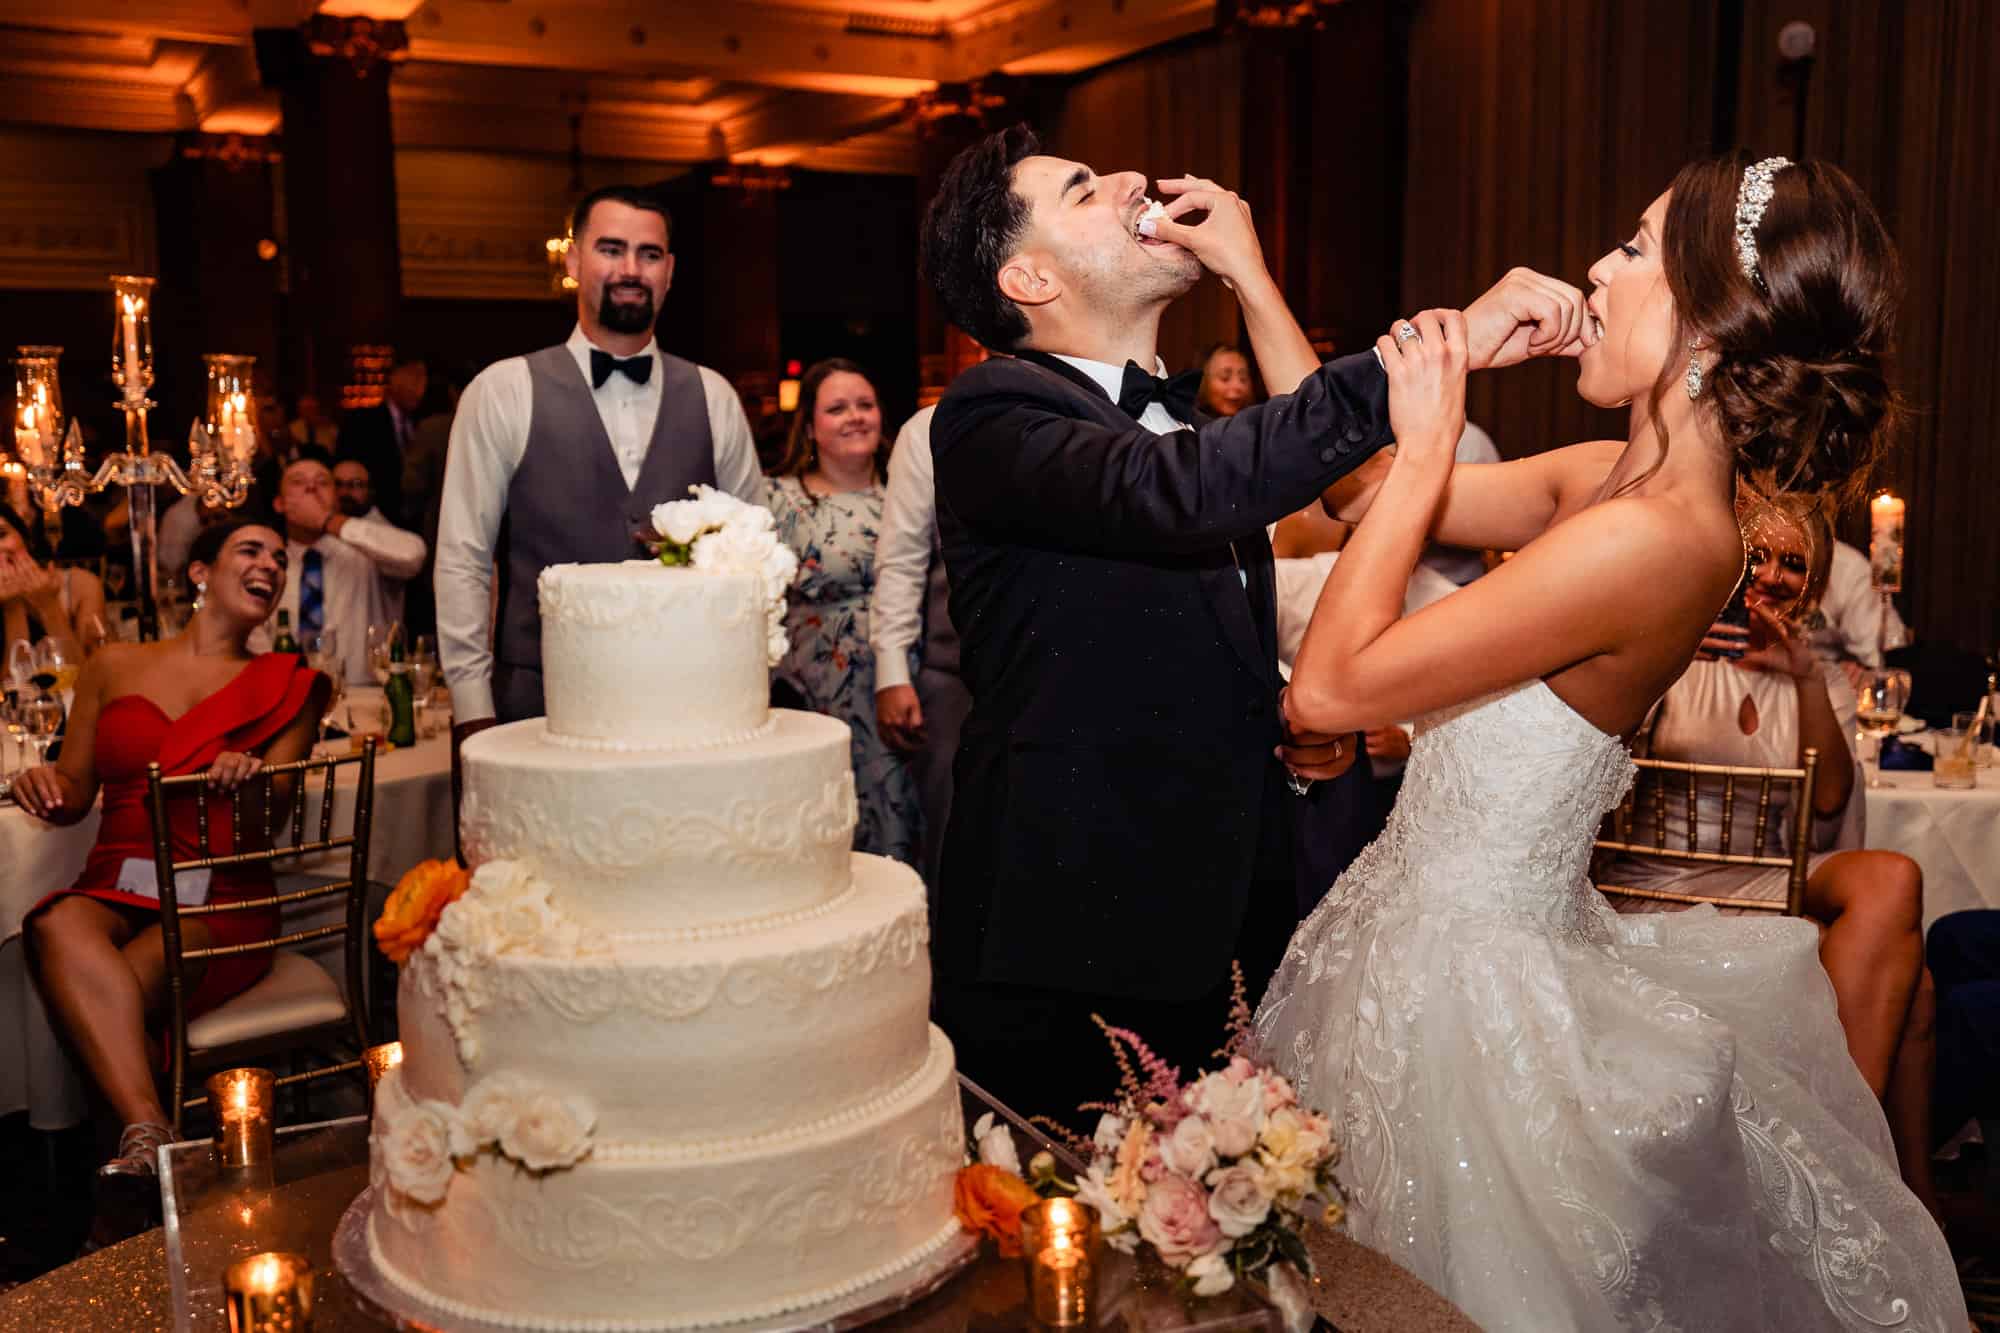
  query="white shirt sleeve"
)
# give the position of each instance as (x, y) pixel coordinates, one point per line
(736, 468)
(489, 434)
(395, 553)
(903, 553)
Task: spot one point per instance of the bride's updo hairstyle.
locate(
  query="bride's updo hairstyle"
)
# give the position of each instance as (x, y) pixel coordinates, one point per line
(1801, 385)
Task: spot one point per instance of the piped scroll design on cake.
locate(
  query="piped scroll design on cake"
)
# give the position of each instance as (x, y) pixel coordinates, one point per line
(416, 1147)
(619, 1242)
(504, 913)
(746, 835)
(588, 991)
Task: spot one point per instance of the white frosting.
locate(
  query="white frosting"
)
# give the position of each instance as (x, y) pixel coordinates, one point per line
(756, 1227)
(695, 1042)
(652, 657)
(669, 840)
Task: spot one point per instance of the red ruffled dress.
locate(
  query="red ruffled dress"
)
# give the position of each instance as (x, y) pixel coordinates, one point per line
(132, 732)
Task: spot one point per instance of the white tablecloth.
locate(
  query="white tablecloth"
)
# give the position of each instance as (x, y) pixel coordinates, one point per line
(1953, 835)
(412, 822)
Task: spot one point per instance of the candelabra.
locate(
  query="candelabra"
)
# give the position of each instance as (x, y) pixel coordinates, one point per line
(221, 447)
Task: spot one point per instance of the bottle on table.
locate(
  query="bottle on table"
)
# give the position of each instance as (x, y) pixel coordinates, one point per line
(283, 642)
(400, 695)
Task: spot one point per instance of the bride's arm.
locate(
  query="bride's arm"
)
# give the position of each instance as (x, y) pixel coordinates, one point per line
(1491, 506)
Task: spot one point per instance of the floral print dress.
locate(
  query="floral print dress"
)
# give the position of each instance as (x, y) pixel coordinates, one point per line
(830, 661)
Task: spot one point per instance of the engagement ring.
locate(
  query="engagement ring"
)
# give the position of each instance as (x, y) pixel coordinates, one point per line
(1406, 331)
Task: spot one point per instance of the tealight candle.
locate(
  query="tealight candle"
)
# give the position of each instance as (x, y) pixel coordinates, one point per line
(242, 1100)
(1059, 1243)
(380, 1060)
(269, 1293)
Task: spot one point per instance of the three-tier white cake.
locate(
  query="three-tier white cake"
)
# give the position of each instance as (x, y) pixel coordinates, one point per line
(668, 1061)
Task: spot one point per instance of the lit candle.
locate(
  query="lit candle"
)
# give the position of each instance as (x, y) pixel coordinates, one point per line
(1885, 541)
(1059, 1241)
(130, 306)
(269, 1293)
(242, 1099)
(380, 1060)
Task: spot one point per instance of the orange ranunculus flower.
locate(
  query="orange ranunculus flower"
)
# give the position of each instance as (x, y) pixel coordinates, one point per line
(989, 1200)
(414, 906)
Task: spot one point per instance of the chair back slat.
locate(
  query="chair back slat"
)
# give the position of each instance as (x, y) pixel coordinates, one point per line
(1620, 840)
(270, 848)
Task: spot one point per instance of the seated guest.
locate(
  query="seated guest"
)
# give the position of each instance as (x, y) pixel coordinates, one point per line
(1965, 959)
(199, 700)
(40, 601)
(311, 425)
(379, 436)
(1763, 711)
(1856, 624)
(827, 499)
(1225, 381)
(355, 496)
(346, 571)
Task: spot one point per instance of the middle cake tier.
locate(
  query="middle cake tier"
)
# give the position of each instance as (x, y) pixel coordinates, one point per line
(743, 835)
(685, 1042)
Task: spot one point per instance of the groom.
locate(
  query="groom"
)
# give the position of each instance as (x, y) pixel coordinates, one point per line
(1126, 792)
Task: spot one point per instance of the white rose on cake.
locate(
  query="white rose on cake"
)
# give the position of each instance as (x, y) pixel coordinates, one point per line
(549, 1130)
(681, 521)
(418, 1148)
(492, 1106)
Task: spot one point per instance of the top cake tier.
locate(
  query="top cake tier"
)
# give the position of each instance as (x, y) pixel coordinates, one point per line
(639, 656)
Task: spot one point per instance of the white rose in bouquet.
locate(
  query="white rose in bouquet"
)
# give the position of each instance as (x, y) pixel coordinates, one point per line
(1211, 1274)
(1237, 1200)
(1115, 1221)
(549, 1131)
(1110, 1133)
(1235, 1110)
(996, 1144)
(1190, 1149)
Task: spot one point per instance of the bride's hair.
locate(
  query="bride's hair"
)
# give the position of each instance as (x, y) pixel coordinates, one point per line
(1802, 386)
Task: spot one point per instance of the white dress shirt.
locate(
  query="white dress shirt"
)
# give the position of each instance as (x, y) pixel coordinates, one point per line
(362, 570)
(1854, 614)
(1111, 379)
(903, 550)
(489, 435)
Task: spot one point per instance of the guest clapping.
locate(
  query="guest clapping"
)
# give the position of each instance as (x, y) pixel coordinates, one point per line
(39, 600)
(1764, 710)
(828, 502)
(197, 701)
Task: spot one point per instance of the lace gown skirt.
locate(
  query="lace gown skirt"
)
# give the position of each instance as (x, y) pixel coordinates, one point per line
(1562, 1118)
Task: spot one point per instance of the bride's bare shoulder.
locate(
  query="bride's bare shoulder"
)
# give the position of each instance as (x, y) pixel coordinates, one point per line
(1684, 543)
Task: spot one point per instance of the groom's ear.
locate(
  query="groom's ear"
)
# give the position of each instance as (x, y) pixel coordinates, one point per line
(1026, 282)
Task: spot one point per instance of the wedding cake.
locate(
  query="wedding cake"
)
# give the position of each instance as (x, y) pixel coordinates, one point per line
(667, 1062)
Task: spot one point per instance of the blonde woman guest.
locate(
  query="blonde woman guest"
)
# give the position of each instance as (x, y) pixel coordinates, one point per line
(39, 601)
(1226, 387)
(827, 498)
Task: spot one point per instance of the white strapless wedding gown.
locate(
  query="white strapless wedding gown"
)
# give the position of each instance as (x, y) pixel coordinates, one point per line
(1564, 1118)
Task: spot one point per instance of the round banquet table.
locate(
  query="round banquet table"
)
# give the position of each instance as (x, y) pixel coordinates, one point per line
(1953, 835)
(412, 822)
(124, 1287)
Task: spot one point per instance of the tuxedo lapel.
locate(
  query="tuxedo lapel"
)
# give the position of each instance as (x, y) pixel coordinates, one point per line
(1235, 580)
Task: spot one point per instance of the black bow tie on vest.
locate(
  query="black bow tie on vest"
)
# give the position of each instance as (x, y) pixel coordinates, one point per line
(603, 365)
(1176, 393)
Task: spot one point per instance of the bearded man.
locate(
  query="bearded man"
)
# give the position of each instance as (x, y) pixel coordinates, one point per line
(559, 456)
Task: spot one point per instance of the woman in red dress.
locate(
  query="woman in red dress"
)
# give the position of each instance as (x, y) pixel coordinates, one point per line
(200, 700)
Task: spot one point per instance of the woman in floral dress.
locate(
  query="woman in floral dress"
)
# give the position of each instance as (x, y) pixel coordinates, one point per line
(827, 498)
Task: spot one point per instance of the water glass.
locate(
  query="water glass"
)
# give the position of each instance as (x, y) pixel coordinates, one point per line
(1982, 742)
(1952, 765)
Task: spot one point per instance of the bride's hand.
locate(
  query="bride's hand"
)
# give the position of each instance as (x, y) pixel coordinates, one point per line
(1225, 241)
(1426, 362)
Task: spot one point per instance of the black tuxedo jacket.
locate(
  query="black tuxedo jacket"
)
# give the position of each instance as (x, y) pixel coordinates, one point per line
(1115, 783)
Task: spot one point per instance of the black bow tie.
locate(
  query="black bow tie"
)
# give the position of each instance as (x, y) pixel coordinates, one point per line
(603, 365)
(1175, 393)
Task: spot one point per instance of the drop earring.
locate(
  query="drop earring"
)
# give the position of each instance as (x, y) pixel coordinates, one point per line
(1694, 369)
(199, 590)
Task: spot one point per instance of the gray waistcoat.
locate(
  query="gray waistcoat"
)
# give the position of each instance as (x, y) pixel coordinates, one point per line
(568, 502)
(940, 637)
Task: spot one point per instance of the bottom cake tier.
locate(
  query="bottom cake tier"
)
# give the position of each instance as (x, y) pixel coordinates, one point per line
(639, 1236)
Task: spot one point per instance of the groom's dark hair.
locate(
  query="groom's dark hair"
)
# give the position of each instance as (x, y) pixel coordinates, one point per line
(973, 223)
(641, 197)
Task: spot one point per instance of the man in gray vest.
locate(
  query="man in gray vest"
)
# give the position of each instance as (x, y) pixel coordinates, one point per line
(559, 456)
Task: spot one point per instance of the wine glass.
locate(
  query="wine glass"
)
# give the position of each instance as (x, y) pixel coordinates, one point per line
(43, 715)
(1878, 708)
(58, 663)
(17, 683)
(380, 639)
(322, 652)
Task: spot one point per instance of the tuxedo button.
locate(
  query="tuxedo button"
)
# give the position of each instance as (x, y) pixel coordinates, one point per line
(1355, 434)
(1328, 455)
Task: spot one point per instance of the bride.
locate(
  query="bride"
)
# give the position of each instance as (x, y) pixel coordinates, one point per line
(1560, 1117)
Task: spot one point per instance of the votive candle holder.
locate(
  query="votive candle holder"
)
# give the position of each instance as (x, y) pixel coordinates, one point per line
(1061, 1245)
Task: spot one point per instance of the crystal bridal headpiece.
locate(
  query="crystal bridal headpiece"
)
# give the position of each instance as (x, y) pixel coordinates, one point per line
(1753, 196)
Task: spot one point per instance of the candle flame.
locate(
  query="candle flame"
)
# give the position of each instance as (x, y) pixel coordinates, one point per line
(266, 1273)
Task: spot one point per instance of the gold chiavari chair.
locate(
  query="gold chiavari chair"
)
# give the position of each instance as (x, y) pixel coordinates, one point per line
(297, 1004)
(1725, 779)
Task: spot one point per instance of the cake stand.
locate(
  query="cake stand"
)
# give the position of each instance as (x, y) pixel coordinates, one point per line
(875, 1301)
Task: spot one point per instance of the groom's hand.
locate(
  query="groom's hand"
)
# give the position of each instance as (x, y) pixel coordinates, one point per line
(1526, 314)
(1315, 756)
